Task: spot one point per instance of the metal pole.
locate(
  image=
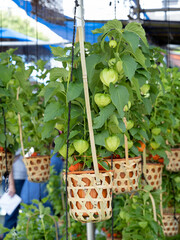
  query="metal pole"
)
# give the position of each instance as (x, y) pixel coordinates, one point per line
(90, 231)
(138, 9)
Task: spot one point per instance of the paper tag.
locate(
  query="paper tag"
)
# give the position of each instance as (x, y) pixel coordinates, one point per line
(9, 203)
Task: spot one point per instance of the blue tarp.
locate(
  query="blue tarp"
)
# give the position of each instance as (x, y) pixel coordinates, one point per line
(11, 34)
(65, 31)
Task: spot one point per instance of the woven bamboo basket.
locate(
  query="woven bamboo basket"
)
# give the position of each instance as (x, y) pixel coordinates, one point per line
(153, 175)
(89, 201)
(170, 224)
(3, 163)
(125, 175)
(38, 168)
(174, 160)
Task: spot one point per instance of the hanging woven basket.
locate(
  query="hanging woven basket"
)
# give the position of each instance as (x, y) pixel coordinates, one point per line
(153, 175)
(3, 163)
(170, 224)
(174, 160)
(89, 201)
(38, 168)
(125, 175)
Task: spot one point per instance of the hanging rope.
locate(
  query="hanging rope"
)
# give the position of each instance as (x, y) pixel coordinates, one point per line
(174, 200)
(6, 174)
(37, 53)
(112, 230)
(69, 115)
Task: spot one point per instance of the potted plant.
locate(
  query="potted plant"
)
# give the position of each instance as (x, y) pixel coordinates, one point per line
(34, 221)
(105, 227)
(160, 120)
(10, 65)
(170, 78)
(139, 218)
(171, 202)
(114, 87)
(31, 124)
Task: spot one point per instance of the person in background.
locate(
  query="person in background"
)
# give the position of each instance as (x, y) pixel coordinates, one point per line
(16, 181)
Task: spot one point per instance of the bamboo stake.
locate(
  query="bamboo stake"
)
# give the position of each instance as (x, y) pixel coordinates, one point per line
(88, 109)
(20, 126)
(126, 150)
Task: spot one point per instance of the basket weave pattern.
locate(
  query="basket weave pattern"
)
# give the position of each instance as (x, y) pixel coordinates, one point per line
(88, 201)
(3, 163)
(174, 160)
(38, 168)
(125, 175)
(153, 175)
(170, 225)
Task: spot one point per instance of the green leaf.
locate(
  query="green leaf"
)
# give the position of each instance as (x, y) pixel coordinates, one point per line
(129, 66)
(2, 138)
(137, 29)
(41, 64)
(53, 110)
(145, 196)
(57, 51)
(74, 91)
(51, 89)
(134, 150)
(22, 75)
(73, 134)
(136, 86)
(100, 138)
(91, 62)
(104, 114)
(148, 105)
(59, 142)
(140, 58)
(132, 39)
(4, 92)
(18, 106)
(159, 139)
(144, 72)
(56, 73)
(144, 134)
(119, 97)
(110, 25)
(6, 74)
(47, 129)
(148, 188)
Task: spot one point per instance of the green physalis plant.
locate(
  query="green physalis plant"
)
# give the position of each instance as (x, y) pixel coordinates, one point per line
(164, 123)
(75, 228)
(171, 190)
(37, 218)
(33, 110)
(136, 220)
(122, 83)
(9, 68)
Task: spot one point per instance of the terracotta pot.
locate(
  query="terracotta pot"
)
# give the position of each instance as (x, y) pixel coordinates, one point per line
(89, 201)
(125, 175)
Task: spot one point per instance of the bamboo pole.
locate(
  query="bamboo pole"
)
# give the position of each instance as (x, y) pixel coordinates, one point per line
(86, 90)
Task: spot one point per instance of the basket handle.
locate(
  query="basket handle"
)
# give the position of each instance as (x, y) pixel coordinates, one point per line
(144, 160)
(20, 126)
(126, 150)
(152, 201)
(88, 109)
(27, 227)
